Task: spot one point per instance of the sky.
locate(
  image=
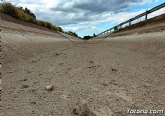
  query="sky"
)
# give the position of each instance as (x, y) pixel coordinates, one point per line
(86, 17)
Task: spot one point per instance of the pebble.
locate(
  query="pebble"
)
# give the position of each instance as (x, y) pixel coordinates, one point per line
(92, 62)
(33, 103)
(61, 64)
(25, 86)
(49, 87)
(83, 110)
(114, 69)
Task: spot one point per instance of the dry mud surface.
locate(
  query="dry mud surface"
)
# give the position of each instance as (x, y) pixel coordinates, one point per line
(103, 78)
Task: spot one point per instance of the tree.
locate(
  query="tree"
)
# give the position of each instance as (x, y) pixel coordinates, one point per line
(87, 37)
(29, 13)
(94, 35)
(72, 33)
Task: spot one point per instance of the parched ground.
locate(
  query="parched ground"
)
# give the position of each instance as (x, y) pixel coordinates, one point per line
(109, 77)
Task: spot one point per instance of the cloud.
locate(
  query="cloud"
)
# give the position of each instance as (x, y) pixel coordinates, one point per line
(84, 14)
(63, 12)
(79, 28)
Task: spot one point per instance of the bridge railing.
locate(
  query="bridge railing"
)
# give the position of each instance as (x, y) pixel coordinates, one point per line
(145, 14)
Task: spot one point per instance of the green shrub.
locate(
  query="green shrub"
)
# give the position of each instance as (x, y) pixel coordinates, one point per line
(72, 33)
(9, 9)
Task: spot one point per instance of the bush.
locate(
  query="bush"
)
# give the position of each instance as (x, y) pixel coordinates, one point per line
(72, 33)
(87, 37)
(9, 9)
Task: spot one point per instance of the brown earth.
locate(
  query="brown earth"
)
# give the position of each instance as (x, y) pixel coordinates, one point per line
(104, 78)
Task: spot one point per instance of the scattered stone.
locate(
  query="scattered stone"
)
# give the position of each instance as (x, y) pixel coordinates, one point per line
(92, 62)
(113, 82)
(57, 54)
(147, 85)
(90, 99)
(33, 103)
(23, 80)
(114, 69)
(25, 86)
(105, 84)
(29, 72)
(69, 69)
(35, 60)
(75, 111)
(33, 90)
(83, 110)
(10, 72)
(49, 87)
(89, 67)
(92, 67)
(61, 64)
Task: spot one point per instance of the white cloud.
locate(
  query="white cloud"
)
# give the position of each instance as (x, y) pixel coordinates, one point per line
(83, 12)
(79, 28)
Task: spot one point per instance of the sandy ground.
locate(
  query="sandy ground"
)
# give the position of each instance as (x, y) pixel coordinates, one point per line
(110, 76)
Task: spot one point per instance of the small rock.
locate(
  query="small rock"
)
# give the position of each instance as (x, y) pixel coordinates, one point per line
(56, 54)
(25, 86)
(23, 80)
(33, 103)
(83, 110)
(147, 85)
(61, 64)
(114, 69)
(92, 62)
(29, 72)
(105, 84)
(49, 87)
(10, 72)
(92, 67)
(75, 111)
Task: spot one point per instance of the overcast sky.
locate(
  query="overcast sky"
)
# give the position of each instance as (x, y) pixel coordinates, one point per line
(86, 17)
